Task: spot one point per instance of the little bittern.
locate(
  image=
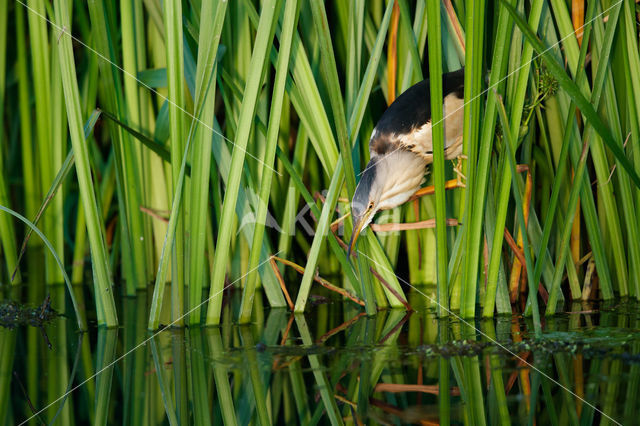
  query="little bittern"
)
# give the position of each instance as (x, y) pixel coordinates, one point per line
(400, 149)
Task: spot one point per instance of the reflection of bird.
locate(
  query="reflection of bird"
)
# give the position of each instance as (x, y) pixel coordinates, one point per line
(400, 149)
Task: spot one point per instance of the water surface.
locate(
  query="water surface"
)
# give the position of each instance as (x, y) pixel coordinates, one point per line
(330, 365)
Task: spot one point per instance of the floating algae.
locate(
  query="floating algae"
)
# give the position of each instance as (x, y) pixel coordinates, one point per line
(586, 346)
(13, 314)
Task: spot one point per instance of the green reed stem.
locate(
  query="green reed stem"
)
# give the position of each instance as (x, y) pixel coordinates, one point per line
(31, 188)
(517, 192)
(163, 383)
(201, 153)
(576, 95)
(44, 78)
(111, 94)
(516, 112)
(258, 66)
(435, 85)
(135, 103)
(105, 356)
(306, 99)
(95, 228)
(286, 36)
(168, 246)
(221, 376)
(330, 72)
(561, 170)
(322, 381)
(177, 103)
(320, 234)
(588, 135)
(498, 69)
(474, 30)
(7, 233)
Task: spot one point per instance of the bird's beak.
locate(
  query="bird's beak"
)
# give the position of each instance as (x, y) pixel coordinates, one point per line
(358, 225)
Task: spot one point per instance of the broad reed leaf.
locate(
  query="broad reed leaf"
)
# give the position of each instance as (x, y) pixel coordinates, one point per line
(156, 78)
(154, 145)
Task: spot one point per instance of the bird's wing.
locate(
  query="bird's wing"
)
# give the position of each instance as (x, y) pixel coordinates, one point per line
(418, 141)
(417, 138)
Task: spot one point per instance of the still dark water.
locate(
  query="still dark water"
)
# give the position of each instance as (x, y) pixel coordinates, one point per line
(332, 365)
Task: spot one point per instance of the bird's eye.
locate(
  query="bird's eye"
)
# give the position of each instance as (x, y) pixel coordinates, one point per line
(370, 205)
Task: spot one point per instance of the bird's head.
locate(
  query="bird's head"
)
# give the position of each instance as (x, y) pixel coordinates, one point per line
(388, 181)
